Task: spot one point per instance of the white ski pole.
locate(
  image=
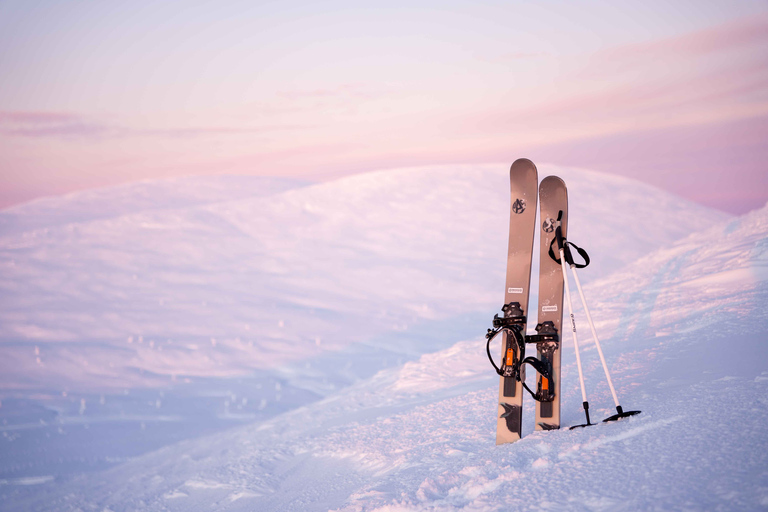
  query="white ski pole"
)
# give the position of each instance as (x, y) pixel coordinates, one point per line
(619, 410)
(560, 246)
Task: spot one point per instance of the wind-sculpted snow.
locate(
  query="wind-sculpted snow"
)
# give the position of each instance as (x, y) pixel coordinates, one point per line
(702, 280)
(168, 281)
(148, 195)
(683, 330)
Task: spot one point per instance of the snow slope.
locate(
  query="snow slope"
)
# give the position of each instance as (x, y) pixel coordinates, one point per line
(192, 286)
(689, 353)
(683, 329)
(141, 196)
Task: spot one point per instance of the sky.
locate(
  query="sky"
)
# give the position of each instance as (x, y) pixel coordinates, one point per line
(97, 93)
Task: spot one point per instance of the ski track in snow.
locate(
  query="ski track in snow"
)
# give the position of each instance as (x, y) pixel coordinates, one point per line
(683, 329)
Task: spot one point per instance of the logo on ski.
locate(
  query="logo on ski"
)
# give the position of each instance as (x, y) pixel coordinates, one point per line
(515, 290)
(549, 309)
(518, 206)
(511, 414)
(548, 226)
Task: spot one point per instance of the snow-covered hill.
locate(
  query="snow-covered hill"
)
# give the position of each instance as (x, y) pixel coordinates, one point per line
(137, 197)
(408, 259)
(194, 286)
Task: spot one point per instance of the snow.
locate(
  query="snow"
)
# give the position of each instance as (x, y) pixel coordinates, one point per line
(352, 313)
(220, 288)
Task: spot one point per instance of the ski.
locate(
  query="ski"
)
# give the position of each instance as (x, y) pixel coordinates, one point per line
(553, 199)
(523, 179)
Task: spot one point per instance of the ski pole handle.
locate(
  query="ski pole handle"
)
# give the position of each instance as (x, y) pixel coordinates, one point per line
(559, 231)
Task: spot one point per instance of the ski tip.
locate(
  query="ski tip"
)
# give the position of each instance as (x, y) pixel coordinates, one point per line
(553, 181)
(522, 163)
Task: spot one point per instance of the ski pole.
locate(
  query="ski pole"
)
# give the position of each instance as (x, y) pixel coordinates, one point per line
(619, 410)
(562, 248)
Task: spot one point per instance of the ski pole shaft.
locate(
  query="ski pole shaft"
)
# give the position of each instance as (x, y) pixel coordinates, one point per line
(594, 335)
(573, 327)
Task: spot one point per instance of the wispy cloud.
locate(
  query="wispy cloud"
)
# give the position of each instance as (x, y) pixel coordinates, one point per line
(522, 55)
(719, 74)
(698, 161)
(70, 125)
(48, 124)
(202, 131)
(36, 117)
(341, 92)
(740, 34)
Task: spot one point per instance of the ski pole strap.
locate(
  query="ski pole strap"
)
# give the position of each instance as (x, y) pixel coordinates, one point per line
(581, 252)
(567, 252)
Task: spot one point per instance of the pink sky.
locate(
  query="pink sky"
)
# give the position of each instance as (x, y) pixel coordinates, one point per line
(104, 93)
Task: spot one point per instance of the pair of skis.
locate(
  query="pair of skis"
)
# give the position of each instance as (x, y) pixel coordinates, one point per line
(552, 196)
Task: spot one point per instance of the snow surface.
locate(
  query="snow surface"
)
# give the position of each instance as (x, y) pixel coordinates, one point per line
(220, 288)
(356, 309)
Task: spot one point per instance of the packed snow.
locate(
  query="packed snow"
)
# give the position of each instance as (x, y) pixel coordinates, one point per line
(255, 344)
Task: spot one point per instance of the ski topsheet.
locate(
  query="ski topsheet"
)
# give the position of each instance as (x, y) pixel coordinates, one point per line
(523, 179)
(553, 198)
